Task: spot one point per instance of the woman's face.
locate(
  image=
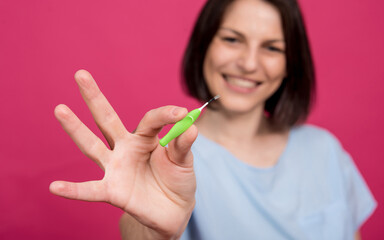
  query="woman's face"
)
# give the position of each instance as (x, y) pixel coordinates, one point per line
(245, 62)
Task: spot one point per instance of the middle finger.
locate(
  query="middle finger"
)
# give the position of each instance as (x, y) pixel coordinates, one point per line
(105, 116)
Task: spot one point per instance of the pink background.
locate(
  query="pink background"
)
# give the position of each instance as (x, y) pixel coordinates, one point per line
(133, 49)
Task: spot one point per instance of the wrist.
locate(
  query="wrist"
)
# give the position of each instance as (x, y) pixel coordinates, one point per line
(131, 228)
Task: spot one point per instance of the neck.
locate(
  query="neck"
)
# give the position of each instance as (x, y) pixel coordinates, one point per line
(221, 125)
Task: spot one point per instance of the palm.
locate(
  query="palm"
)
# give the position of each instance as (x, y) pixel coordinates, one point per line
(155, 185)
(154, 182)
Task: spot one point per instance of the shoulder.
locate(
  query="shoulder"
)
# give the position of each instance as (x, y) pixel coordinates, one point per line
(318, 147)
(309, 130)
(341, 181)
(308, 134)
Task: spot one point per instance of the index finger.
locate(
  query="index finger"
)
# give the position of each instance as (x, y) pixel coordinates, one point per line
(154, 120)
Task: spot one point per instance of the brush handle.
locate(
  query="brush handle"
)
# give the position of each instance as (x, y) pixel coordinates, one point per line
(180, 127)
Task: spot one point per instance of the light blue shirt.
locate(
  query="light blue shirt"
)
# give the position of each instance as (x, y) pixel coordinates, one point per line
(313, 192)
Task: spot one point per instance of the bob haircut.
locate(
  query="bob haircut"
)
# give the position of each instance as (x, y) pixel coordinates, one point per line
(291, 102)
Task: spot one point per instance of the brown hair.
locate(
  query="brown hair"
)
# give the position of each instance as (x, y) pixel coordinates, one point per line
(291, 103)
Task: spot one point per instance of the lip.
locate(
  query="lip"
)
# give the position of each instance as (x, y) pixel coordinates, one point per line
(240, 89)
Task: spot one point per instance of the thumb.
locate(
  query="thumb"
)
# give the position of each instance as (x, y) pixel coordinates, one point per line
(154, 120)
(179, 149)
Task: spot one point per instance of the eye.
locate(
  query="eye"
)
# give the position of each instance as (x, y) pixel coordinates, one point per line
(230, 39)
(275, 49)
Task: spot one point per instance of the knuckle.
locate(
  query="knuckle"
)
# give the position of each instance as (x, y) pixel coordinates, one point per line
(148, 116)
(76, 127)
(149, 113)
(91, 92)
(109, 116)
(159, 112)
(96, 152)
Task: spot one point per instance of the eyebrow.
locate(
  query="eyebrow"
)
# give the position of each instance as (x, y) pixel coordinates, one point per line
(241, 35)
(233, 31)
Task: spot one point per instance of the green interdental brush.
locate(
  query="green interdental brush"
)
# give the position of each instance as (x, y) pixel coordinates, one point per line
(182, 125)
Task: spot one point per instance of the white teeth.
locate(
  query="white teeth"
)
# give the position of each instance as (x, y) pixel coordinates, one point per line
(241, 83)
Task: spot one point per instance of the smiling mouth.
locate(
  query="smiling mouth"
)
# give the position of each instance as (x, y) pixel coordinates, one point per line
(241, 82)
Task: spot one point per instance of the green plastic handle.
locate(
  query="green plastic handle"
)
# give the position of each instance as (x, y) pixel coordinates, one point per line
(180, 127)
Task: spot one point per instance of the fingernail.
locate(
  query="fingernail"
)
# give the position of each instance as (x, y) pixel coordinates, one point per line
(176, 111)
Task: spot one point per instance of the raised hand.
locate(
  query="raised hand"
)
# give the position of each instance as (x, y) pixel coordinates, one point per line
(153, 184)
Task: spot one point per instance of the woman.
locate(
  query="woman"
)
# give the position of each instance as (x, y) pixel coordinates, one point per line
(259, 174)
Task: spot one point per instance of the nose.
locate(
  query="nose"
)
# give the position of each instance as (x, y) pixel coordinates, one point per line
(248, 60)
